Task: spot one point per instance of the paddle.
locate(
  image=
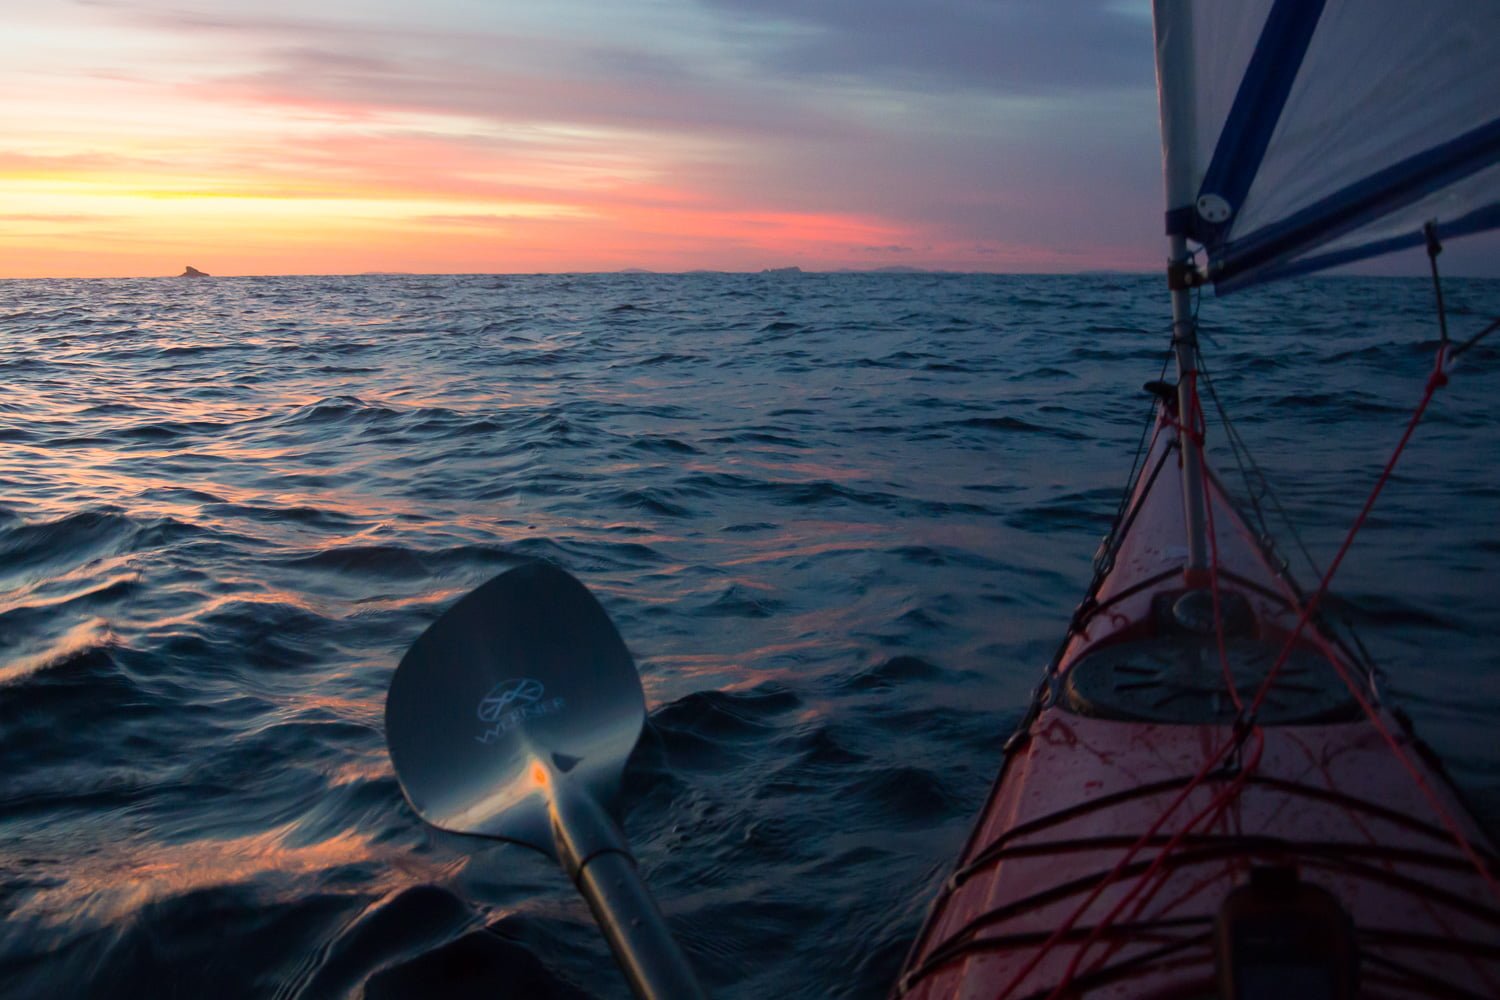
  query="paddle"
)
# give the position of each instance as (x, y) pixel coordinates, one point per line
(512, 717)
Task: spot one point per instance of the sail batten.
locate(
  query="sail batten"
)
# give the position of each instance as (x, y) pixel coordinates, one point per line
(1301, 134)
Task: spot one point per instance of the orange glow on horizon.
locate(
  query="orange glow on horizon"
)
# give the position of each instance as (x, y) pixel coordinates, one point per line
(239, 183)
(136, 140)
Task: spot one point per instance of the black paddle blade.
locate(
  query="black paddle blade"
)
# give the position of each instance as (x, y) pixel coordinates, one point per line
(519, 692)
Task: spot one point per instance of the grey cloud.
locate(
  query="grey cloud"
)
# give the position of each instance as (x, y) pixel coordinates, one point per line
(489, 74)
(1018, 47)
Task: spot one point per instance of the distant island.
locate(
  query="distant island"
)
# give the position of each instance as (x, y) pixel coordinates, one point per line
(193, 272)
(782, 270)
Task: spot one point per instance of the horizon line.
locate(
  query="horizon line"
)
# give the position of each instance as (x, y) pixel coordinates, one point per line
(772, 271)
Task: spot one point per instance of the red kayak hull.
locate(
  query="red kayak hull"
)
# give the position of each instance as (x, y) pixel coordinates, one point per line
(1086, 876)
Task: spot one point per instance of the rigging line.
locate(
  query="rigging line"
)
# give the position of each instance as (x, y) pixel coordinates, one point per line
(996, 848)
(1227, 795)
(1104, 559)
(1265, 541)
(1453, 354)
(1292, 597)
(1145, 430)
(1429, 233)
(1198, 329)
(1454, 831)
(1242, 453)
(1435, 381)
(1251, 493)
(1243, 456)
(1140, 448)
(1160, 928)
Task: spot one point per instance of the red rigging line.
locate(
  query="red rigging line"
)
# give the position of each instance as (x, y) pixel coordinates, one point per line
(1435, 381)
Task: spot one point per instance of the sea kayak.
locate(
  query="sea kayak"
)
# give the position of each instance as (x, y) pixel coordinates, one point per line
(1155, 833)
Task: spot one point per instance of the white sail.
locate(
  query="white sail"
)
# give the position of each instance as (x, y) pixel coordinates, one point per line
(1300, 134)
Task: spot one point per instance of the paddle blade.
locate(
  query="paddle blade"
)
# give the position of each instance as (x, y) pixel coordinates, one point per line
(522, 685)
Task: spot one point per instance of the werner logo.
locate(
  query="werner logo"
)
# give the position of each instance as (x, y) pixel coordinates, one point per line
(511, 703)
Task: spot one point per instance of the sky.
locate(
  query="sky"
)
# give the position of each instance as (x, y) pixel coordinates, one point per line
(345, 136)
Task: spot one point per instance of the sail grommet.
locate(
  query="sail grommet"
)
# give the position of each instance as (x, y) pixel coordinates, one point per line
(1213, 208)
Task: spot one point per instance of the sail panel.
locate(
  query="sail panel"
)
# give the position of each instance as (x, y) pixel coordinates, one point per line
(1436, 184)
(1318, 129)
(1202, 51)
(1383, 81)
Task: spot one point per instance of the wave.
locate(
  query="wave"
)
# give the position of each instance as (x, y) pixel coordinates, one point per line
(67, 541)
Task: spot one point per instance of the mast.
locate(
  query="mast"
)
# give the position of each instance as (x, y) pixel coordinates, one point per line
(1180, 278)
(1176, 91)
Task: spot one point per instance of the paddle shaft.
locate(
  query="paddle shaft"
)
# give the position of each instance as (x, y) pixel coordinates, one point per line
(635, 928)
(594, 852)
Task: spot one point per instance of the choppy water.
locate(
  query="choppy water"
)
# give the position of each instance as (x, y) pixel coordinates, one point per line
(841, 520)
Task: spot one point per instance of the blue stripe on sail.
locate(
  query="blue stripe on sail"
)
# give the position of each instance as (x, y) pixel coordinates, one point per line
(1357, 205)
(1257, 108)
(1476, 221)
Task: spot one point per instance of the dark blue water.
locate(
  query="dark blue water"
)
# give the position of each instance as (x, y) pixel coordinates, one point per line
(841, 521)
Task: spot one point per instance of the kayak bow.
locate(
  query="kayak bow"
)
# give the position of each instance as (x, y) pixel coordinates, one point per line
(1157, 832)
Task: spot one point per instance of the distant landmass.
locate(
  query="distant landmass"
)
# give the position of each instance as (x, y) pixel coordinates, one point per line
(782, 270)
(193, 272)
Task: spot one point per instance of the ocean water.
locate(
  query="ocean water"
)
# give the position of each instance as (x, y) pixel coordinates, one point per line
(840, 520)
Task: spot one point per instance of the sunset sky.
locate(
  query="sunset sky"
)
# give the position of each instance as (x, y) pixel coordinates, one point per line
(138, 136)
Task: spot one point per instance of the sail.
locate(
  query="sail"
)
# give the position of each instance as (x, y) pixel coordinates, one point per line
(1302, 134)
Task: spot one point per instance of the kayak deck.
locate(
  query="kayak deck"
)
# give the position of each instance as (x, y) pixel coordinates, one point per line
(1138, 802)
(1083, 791)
